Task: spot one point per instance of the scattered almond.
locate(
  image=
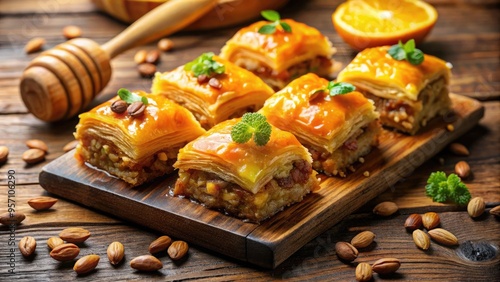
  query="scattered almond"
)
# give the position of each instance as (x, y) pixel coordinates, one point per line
(4, 154)
(34, 45)
(363, 239)
(430, 220)
(71, 31)
(65, 252)
(53, 242)
(346, 251)
(459, 149)
(37, 144)
(462, 169)
(42, 203)
(443, 237)
(140, 56)
(33, 156)
(86, 264)
(386, 265)
(70, 146)
(476, 207)
(495, 211)
(421, 239)
(165, 44)
(363, 272)
(146, 263)
(8, 218)
(27, 246)
(146, 70)
(177, 250)
(160, 244)
(153, 57)
(74, 235)
(115, 252)
(385, 208)
(414, 221)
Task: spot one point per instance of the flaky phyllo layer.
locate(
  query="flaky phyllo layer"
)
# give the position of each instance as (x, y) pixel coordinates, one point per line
(136, 149)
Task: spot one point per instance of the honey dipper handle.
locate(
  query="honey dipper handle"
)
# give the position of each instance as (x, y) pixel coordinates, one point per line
(161, 21)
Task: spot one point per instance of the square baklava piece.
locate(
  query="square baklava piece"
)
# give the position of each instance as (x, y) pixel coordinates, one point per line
(338, 130)
(138, 141)
(213, 89)
(407, 96)
(245, 180)
(281, 56)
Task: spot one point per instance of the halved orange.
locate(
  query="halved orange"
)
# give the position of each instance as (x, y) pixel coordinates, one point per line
(370, 23)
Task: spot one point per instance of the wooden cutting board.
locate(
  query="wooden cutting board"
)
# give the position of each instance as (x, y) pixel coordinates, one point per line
(271, 242)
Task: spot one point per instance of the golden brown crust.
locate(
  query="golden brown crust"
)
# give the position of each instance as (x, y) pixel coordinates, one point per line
(240, 90)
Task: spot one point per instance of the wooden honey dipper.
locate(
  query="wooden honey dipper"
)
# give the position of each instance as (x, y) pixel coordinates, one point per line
(62, 81)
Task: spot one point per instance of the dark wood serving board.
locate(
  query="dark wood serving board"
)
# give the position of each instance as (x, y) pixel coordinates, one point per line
(271, 242)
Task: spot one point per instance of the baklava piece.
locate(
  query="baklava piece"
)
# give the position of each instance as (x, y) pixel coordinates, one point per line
(406, 95)
(247, 181)
(136, 142)
(338, 130)
(213, 89)
(282, 56)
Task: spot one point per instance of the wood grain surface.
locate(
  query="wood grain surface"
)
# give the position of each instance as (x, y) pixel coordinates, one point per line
(467, 34)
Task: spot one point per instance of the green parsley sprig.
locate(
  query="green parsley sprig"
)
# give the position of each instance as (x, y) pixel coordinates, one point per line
(205, 65)
(131, 97)
(252, 124)
(443, 189)
(334, 89)
(407, 52)
(275, 18)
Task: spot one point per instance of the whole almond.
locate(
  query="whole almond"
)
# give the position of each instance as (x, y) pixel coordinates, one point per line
(115, 252)
(33, 156)
(74, 235)
(363, 272)
(386, 265)
(146, 70)
(414, 221)
(146, 263)
(165, 44)
(459, 149)
(136, 109)
(71, 32)
(27, 246)
(140, 56)
(4, 154)
(346, 251)
(53, 242)
(70, 145)
(385, 208)
(363, 239)
(37, 144)
(86, 264)
(476, 207)
(421, 239)
(8, 218)
(443, 237)
(495, 211)
(430, 220)
(65, 252)
(153, 57)
(42, 203)
(160, 244)
(177, 250)
(34, 45)
(462, 169)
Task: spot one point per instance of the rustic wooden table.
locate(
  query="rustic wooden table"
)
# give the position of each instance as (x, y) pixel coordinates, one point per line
(467, 34)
